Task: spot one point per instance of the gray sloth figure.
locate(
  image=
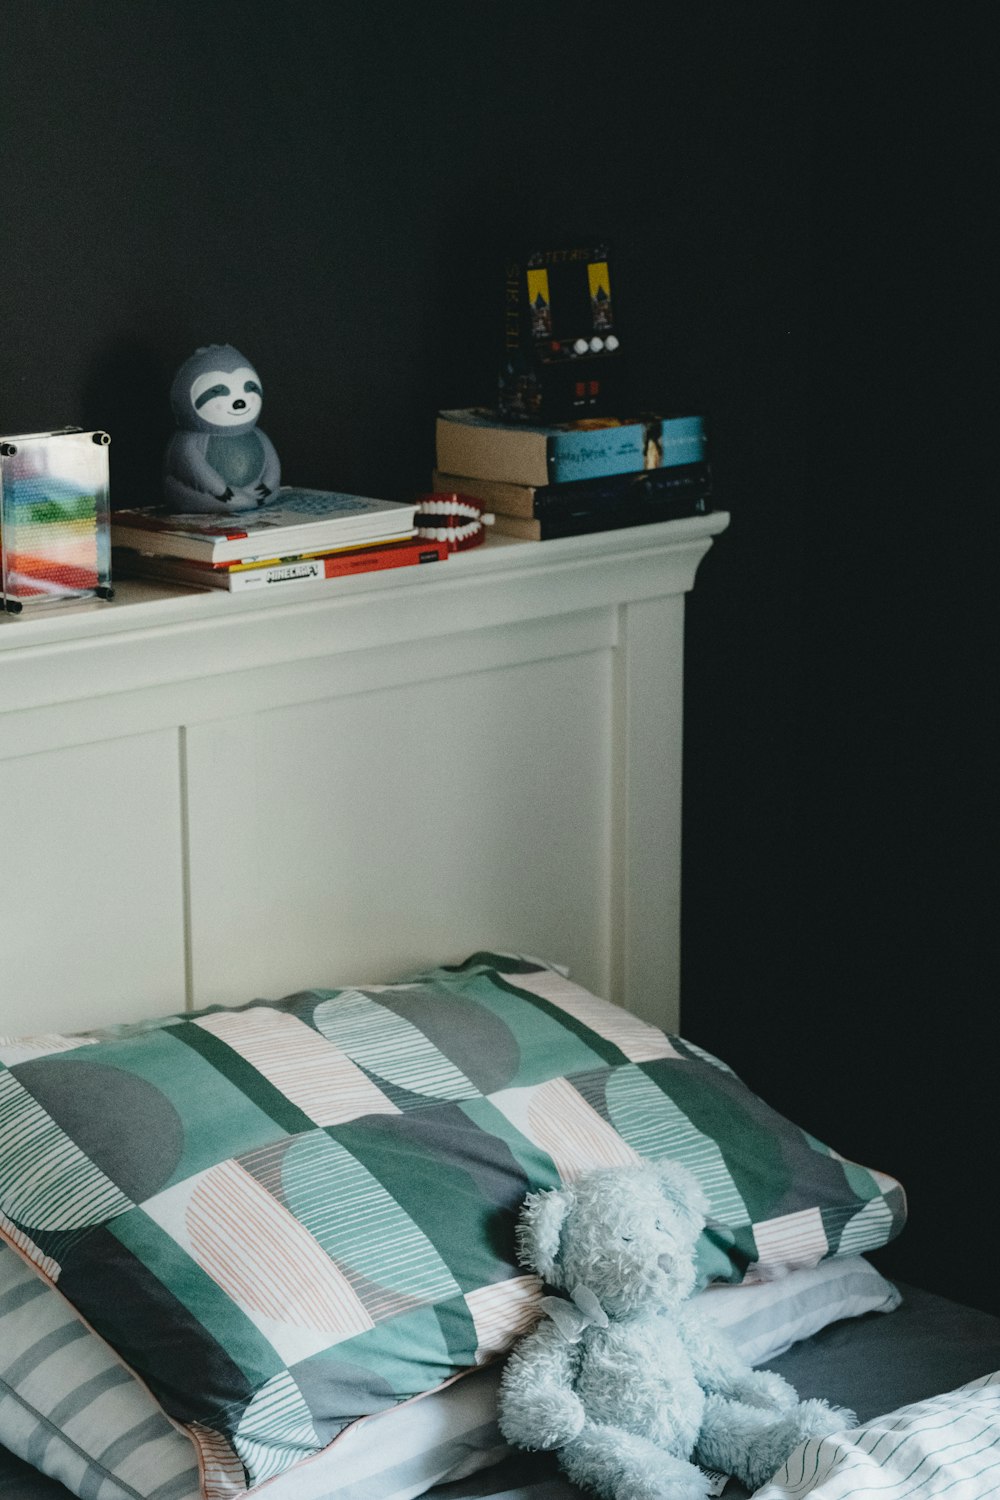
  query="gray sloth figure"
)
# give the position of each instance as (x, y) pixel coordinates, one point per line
(218, 461)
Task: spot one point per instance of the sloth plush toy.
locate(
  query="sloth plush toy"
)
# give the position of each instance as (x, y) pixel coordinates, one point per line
(218, 461)
(625, 1377)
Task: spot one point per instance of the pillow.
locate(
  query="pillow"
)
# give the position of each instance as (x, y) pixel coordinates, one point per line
(73, 1410)
(765, 1318)
(293, 1215)
(70, 1407)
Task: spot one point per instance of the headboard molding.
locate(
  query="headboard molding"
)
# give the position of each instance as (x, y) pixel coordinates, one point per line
(209, 798)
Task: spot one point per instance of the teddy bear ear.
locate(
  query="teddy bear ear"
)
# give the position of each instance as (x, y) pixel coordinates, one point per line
(539, 1228)
(681, 1188)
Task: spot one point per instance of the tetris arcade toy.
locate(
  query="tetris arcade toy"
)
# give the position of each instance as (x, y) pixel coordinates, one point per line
(562, 355)
(55, 540)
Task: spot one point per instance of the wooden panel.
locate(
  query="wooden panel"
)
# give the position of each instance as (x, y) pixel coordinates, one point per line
(92, 849)
(649, 704)
(356, 838)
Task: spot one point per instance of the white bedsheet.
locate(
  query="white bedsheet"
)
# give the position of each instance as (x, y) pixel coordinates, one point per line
(946, 1445)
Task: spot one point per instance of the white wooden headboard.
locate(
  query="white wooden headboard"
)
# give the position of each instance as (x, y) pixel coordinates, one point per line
(207, 799)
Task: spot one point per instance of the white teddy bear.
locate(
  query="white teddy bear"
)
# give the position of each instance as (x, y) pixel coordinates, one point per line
(629, 1380)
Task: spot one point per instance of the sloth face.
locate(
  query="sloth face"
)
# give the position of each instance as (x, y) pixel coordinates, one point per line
(227, 398)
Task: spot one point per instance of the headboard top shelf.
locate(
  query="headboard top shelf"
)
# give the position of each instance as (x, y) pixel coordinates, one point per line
(208, 798)
(141, 602)
(153, 633)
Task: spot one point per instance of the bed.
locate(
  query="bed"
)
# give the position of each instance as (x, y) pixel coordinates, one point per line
(265, 1245)
(873, 1363)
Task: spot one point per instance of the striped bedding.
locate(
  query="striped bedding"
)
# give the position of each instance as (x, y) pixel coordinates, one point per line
(68, 1406)
(946, 1445)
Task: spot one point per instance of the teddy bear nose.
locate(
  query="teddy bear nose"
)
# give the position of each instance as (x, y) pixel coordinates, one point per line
(666, 1261)
(239, 405)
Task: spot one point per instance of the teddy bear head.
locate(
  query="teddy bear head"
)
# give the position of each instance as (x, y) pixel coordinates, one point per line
(626, 1234)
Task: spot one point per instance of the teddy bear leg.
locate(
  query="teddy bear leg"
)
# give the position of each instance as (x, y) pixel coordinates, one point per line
(619, 1465)
(753, 1443)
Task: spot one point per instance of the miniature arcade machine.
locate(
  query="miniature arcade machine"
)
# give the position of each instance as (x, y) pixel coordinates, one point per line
(562, 353)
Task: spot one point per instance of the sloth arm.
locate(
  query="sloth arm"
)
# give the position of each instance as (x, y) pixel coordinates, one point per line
(187, 461)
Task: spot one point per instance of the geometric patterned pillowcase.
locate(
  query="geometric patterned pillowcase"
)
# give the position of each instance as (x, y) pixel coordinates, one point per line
(294, 1214)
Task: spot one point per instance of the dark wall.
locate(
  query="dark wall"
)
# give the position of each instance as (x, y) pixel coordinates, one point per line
(330, 186)
(849, 962)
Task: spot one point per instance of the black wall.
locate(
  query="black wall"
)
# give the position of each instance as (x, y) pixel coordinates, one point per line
(791, 199)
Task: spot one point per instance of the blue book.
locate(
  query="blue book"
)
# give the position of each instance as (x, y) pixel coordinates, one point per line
(476, 443)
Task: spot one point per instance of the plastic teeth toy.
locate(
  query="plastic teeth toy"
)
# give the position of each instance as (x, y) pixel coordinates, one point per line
(458, 520)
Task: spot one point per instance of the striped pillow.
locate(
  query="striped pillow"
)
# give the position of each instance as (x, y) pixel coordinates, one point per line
(764, 1318)
(70, 1408)
(311, 1202)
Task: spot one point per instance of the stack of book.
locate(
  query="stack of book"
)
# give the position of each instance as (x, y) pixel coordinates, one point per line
(573, 477)
(298, 536)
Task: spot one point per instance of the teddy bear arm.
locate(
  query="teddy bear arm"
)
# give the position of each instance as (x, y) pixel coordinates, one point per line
(538, 1406)
(719, 1366)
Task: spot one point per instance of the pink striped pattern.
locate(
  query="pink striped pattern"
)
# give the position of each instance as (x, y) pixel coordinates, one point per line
(639, 1041)
(265, 1259)
(262, 1258)
(305, 1067)
(22, 1049)
(791, 1240)
(557, 1119)
(502, 1312)
(222, 1472)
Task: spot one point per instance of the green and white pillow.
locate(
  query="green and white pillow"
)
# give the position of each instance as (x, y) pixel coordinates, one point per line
(294, 1215)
